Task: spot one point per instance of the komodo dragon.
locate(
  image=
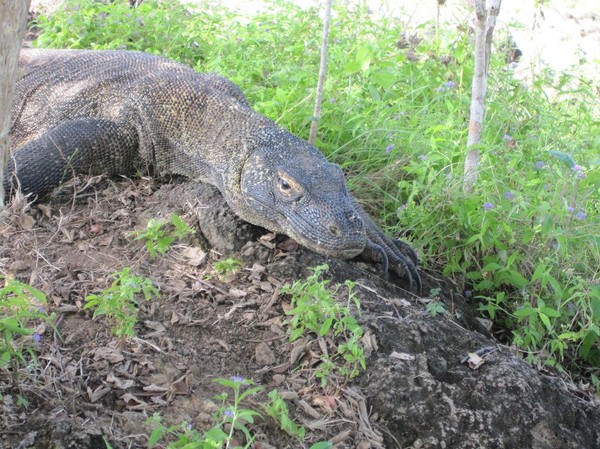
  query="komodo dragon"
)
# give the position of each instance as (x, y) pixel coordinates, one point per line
(115, 112)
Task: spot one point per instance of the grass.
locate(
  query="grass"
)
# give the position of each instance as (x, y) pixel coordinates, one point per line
(524, 244)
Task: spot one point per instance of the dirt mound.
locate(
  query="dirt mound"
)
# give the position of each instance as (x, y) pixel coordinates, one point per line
(89, 386)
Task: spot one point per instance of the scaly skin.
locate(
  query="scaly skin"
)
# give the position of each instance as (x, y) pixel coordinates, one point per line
(112, 112)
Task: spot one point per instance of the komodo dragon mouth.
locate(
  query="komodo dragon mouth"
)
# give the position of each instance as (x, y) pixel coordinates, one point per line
(112, 112)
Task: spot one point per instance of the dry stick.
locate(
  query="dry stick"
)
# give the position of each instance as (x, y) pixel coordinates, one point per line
(485, 23)
(13, 22)
(322, 74)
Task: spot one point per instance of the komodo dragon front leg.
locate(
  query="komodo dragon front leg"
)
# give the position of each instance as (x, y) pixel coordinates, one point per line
(87, 145)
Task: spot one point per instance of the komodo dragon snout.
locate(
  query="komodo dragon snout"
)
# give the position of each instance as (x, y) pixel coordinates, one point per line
(302, 195)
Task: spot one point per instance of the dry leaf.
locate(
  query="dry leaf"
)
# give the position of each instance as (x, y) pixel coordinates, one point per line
(194, 255)
(402, 356)
(110, 354)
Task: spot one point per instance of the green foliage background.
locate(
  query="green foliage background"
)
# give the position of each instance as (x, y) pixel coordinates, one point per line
(525, 244)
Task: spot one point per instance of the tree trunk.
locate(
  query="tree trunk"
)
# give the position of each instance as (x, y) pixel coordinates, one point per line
(13, 22)
(486, 16)
(322, 74)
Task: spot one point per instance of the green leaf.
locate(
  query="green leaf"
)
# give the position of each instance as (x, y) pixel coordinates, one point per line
(384, 79)
(517, 279)
(492, 267)
(563, 157)
(322, 445)
(325, 327)
(550, 312)
(155, 436)
(545, 320)
(524, 312)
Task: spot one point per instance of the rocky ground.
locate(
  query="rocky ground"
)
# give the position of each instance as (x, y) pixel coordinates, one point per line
(425, 385)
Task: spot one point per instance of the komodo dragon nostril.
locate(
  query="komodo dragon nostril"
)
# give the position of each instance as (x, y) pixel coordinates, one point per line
(335, 230)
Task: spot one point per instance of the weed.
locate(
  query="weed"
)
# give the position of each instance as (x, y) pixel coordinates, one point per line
(227, 266)
(436, 308)
(120, 301)
(277, 409)
(22, 307)
(315, 309)
(158, 240)
(231, 416)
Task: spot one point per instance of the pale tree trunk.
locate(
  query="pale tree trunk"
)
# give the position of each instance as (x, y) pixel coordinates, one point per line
(322, 74)
(485, 15)
(13, 22)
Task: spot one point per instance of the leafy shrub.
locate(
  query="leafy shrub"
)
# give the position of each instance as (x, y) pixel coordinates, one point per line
(120, 301)
(316, 309)
(22, 308)
(157, 239)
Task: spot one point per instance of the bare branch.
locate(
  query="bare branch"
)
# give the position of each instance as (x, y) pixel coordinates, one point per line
(484, 30)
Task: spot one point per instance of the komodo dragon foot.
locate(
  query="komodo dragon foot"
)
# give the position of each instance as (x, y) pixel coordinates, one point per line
(395, 255)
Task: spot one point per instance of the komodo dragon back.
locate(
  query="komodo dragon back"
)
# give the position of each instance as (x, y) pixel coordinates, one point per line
(115, 112)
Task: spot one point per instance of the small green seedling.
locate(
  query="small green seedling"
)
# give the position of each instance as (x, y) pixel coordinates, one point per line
(158, 239)
(277, 409)
(230, 417)
(120, 301)
(315, 309)
(227, 266)
(22, 307)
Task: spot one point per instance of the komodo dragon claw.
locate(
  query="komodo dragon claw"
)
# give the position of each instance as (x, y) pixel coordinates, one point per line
(396, 256)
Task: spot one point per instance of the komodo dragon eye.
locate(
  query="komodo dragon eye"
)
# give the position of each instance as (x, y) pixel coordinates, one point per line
(288, 187)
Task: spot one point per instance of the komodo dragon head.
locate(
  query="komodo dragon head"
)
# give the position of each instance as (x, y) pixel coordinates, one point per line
(290, 187)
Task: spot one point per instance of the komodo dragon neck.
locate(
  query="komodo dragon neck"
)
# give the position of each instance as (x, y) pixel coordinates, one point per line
(114, 111)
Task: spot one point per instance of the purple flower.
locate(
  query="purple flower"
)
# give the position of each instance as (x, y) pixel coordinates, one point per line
(509, 195)
(570, 209)
(37, 338)
(228, 413)
(468, 293)
(403, 207)
(488, 206)
(423, 157)
(576, 168)
(580, 215)
(507, 137)
(539, 165)
(332, 100)
(450, 84)
(237, 379)
(581, 175)
(441, 89)
(389, 148)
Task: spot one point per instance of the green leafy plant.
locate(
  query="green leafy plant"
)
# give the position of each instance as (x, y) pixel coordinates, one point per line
(120, 301)
(315, 309)
(227, 266)
(22, 307)
(158, 239)
(231, 416)
(277, 409)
